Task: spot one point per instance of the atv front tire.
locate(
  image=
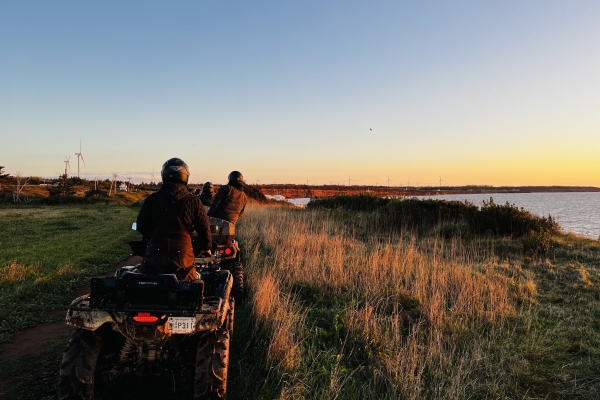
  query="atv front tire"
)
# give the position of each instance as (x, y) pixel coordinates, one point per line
(77, 377)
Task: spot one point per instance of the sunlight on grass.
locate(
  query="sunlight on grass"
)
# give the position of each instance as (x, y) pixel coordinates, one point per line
(351, 310)
(14, 273)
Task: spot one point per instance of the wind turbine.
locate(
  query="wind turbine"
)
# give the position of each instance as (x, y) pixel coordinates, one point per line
(152, 176)
(349, 180)
(67, 165)
(80, 154)
(389, 180)
(441, 180)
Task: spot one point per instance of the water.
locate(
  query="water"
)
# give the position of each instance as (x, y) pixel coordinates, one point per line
(575, 212)
(578, 213)
(301, 202)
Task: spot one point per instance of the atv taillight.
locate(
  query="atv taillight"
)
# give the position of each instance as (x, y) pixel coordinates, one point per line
(227, 251)
(145, 317)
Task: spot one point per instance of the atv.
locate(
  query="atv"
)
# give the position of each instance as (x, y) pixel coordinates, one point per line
(151, 324)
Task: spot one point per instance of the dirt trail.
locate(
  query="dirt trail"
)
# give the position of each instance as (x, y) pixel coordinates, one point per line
(34, 340)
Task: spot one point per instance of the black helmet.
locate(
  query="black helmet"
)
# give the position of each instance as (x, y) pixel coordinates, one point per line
(235, 176)
(175, 170)
(208, 186)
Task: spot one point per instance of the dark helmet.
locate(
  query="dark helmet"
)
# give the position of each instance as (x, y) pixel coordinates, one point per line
(208, 186)
(235, 176)
(175, 170)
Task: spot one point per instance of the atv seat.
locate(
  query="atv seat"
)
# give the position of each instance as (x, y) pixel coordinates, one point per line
(132, 273)
(130, 290)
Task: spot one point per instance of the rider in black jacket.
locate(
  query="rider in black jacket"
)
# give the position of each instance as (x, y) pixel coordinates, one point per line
(230, 201)
(207, 194)
(168, 218)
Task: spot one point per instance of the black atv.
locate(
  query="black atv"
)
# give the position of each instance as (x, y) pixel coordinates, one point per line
(150, 324)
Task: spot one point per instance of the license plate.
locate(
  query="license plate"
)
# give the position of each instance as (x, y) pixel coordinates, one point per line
(181, 324)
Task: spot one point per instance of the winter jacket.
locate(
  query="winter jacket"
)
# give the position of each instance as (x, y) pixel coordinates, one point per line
(206, 198)
(229, 202)
(168, 218)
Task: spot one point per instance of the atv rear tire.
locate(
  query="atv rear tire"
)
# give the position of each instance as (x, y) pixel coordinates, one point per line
(77, 377)
(212, 362)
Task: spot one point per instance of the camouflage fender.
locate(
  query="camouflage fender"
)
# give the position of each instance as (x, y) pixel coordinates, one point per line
(79, 315)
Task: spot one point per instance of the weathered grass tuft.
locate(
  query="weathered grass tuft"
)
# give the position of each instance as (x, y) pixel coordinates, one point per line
(16, 273)
(276, 315)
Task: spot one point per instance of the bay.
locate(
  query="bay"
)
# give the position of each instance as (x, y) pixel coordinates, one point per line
(576, 212)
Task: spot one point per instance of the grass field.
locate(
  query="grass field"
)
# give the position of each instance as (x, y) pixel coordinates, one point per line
(47, 252)
(341, 306)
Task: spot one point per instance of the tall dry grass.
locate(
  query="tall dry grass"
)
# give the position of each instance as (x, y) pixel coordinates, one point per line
(419, 316)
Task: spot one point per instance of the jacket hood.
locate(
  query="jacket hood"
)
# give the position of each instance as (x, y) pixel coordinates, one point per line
(237, 185)
(173, 191)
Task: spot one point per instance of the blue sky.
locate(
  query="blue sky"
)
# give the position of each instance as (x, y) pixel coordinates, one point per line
(477, 92)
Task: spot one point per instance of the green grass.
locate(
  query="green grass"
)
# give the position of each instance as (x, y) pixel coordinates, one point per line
(547, 347)
(47, 252)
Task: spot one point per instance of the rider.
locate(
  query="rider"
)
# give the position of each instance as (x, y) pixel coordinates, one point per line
(230, 201)
(168, 218)
(207, 194)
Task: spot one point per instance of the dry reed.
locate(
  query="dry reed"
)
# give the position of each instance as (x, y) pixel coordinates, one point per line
(415, 299)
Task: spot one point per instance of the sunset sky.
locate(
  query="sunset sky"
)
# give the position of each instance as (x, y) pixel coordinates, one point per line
(497, 93)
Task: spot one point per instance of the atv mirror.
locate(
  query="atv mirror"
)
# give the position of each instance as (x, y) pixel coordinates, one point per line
(134, 226)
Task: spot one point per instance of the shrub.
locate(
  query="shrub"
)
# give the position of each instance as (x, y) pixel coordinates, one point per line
(448, 217)
(97, 193)
(540, 242)
(254, 193)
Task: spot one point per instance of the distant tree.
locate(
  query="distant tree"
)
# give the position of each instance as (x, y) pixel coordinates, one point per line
(64, 186)
(20, 185)
(4, 180)
(76, 181)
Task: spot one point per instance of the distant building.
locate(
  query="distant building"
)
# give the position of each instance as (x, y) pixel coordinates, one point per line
(123, 187)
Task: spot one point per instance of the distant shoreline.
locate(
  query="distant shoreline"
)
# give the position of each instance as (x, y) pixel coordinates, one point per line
(311, 191)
